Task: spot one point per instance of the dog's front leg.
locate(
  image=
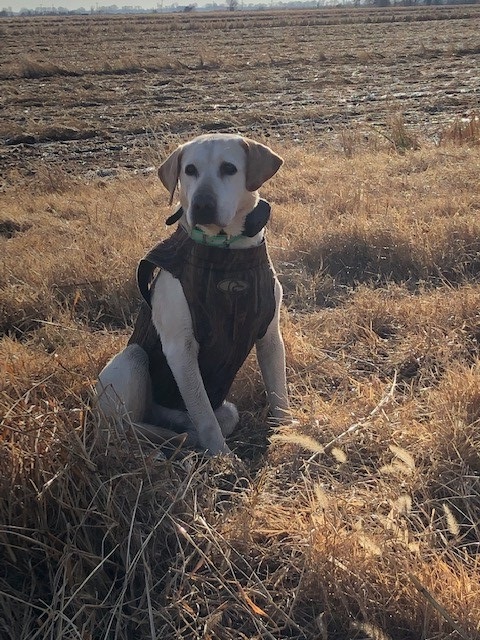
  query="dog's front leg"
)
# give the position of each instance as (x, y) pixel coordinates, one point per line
(173, 322)
(271, 358)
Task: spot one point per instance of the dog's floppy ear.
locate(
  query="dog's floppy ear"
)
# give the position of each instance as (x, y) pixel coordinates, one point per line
(169, 171)
(262, 164)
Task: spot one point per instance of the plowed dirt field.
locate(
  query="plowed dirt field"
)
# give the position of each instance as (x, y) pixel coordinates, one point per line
(98, 93)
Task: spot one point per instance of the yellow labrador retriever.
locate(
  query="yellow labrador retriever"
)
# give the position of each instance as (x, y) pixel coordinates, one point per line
(211, 294)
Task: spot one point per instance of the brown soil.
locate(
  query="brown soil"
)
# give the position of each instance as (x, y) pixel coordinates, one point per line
(103, 93)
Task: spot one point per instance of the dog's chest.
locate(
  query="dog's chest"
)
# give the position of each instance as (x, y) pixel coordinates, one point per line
(230, 294)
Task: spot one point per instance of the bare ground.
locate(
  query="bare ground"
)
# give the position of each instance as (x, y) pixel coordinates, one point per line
(102, 94)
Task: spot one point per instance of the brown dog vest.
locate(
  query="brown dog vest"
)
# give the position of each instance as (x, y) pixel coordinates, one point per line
(230, 294)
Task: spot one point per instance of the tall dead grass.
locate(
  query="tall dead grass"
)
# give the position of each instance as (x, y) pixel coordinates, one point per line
(358, 520)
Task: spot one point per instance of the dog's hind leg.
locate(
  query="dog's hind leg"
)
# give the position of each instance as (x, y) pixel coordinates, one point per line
(179, 421)
(170, 418)
(123, 387)
(227, 416)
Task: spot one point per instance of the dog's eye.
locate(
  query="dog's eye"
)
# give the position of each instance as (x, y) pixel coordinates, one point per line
(191, 170)
(228, 169)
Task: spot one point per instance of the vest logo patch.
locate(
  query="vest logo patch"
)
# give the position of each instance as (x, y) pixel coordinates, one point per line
(232, 286)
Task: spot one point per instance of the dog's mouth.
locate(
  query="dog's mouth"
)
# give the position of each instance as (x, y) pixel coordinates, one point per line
(210, 229)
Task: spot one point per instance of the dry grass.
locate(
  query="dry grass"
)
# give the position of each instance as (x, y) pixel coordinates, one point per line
(360, 520)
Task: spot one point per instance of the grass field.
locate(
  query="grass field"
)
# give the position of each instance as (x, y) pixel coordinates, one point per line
(361, 519)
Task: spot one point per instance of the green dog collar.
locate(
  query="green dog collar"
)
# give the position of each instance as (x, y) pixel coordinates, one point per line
(220, 240)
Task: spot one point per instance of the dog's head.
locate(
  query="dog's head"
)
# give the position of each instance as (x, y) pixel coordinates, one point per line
(218, 176)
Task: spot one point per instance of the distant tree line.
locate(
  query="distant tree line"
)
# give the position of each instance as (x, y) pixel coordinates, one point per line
(228, 5)
(413, 3)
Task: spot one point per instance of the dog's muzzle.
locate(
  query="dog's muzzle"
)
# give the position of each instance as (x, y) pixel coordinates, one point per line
(204, 208)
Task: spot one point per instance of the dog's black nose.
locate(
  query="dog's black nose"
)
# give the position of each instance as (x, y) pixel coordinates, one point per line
(204, 208)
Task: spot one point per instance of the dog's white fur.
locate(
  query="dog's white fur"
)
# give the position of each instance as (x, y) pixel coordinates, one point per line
(124, 386)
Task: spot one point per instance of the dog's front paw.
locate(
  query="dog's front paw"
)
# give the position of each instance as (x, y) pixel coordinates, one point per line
(232, 462)
(280, 415)
(218, 449)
